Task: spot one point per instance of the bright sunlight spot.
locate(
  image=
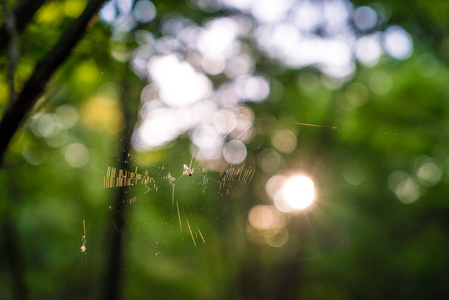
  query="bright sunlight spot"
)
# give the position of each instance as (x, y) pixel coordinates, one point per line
(299, 192)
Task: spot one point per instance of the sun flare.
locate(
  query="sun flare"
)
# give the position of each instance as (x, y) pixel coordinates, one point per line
(299, 192)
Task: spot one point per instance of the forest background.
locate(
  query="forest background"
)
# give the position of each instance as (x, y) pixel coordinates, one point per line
(209, 107)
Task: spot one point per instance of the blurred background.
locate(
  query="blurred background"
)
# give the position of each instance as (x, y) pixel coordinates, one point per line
(223, 149)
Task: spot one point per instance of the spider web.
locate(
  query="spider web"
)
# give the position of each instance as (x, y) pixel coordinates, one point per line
(170, 200)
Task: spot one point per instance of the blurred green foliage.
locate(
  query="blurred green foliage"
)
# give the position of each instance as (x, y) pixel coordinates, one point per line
(358, 242)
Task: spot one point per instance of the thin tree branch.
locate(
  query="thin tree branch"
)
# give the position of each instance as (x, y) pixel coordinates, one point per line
(13, 52)
(113, 284)
(13, 253)
(22, 13)
(42, 73)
